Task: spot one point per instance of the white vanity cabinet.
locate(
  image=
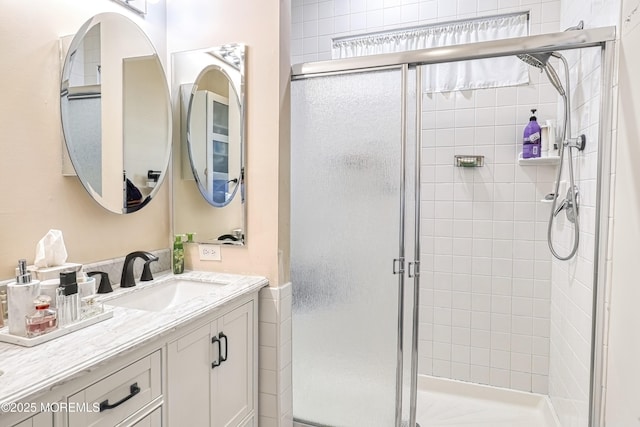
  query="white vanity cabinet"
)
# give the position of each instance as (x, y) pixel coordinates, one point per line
(43, 419)
(211, 372)
(192, 365)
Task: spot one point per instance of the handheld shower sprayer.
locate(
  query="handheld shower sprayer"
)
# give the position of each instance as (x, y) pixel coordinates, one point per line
(541, 61)
(570, 203)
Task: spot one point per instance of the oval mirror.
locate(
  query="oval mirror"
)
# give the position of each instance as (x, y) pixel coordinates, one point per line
(211, 86)
(116, 112)
(214, 136)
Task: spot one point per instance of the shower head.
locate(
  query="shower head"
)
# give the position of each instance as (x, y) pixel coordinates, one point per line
(538, 60)
(541, 61)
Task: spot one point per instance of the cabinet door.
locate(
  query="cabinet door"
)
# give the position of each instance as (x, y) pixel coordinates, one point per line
(154, 419)
(42, 419)
(188, 379)
(233, 379)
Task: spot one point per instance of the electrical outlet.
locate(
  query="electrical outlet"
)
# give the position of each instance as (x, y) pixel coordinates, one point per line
(209, 252)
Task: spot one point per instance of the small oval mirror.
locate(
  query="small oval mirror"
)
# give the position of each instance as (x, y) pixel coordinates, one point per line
(116, 112)
(214, 136)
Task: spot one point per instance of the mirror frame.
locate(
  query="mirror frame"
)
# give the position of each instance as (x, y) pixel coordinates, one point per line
(155, 178)
(188, 67)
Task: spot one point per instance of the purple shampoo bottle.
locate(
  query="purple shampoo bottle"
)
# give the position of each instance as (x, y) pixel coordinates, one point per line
(531, 145)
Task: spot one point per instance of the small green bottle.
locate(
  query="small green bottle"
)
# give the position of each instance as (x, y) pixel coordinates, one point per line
(178, 255)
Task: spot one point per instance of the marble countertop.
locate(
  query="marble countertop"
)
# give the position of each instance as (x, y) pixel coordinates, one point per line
(30, 371)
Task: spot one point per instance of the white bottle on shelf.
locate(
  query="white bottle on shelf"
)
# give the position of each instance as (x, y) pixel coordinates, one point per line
(544, 138)
(553, 139)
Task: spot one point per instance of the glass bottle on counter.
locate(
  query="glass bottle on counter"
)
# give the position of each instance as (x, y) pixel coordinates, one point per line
(3, 308)
(178, 255)
(43, 320)
(67, 299)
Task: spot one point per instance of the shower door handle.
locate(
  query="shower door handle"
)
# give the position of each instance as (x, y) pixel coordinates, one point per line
(416, 269)
(398, 262)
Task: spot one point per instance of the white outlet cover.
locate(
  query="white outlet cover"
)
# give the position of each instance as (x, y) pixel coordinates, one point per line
(209, 252)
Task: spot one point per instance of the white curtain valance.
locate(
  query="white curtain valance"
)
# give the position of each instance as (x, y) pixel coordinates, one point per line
(476, 74)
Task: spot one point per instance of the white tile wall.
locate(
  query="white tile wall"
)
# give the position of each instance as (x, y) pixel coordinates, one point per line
(571, 310)
(572, 282)
(485, 295)
(275, 404)
(87, 60)
(316, 22)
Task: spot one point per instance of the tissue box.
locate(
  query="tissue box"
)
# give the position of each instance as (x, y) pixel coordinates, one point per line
(53, 272)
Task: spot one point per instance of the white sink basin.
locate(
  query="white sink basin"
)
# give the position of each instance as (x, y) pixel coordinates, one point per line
(163, 295)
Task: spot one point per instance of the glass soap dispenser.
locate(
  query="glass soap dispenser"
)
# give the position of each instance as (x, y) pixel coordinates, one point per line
(178, 255)
(43, 320)
(67, 299)
(3, 308)
(20, 296)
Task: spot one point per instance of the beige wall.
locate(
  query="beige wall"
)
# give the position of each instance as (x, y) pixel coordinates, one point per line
(200, 24)
(35, 195)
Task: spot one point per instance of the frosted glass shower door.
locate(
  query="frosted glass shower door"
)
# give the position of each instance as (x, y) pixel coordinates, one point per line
(346, 171)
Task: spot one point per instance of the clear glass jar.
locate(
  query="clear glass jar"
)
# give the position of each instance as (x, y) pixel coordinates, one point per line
(68, 305)
(44, 319)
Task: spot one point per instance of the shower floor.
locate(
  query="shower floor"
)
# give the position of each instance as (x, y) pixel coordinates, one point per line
(444, 402)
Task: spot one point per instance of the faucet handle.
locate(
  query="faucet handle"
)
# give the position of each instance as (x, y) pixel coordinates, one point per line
(105, 283)
(566, 204)
(146, 270)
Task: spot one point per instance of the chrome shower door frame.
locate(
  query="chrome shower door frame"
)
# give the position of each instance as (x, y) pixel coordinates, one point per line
(596, 37)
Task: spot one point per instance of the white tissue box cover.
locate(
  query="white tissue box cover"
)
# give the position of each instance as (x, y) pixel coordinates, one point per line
(53, 272)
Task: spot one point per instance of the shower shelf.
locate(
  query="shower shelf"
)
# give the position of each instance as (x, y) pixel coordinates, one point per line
(538, 161)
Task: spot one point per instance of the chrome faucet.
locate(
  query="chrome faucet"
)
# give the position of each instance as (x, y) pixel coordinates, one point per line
(127, 280)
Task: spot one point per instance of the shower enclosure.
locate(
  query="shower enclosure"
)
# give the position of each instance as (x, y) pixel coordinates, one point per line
(405, 266)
